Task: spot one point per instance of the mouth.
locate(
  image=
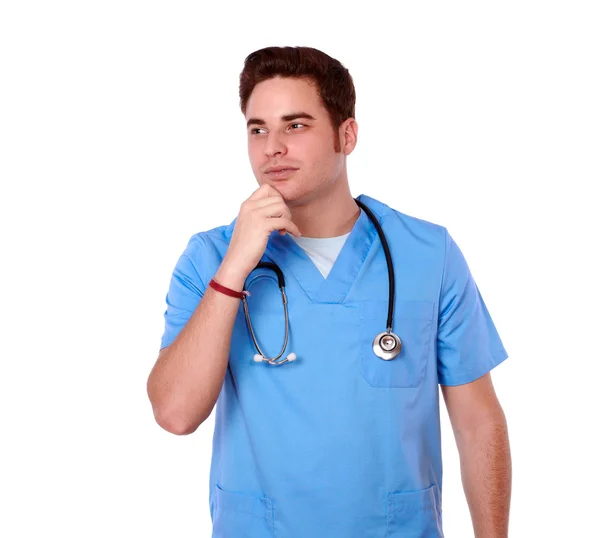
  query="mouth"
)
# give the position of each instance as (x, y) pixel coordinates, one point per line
(280, 174)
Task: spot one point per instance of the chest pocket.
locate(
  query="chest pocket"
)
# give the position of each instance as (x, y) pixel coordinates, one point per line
(413, 322)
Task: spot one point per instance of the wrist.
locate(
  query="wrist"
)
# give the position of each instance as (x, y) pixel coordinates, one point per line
(230, 277)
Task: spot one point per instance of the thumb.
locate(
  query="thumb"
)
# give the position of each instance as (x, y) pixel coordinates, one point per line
(264, 191)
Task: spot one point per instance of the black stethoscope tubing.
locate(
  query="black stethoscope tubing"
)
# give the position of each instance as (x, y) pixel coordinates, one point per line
(281, 283)
(388, 260)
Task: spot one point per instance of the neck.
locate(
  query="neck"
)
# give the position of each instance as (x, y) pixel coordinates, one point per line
(329, 214)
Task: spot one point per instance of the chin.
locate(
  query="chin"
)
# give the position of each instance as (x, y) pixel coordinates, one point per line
(284, 188)
(293, 197)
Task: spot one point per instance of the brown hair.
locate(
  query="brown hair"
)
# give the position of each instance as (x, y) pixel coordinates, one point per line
(331, 79)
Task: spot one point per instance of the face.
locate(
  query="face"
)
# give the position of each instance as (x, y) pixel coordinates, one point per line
(289, 127)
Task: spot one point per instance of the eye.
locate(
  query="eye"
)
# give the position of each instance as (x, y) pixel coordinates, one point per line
(296, 124)
(254, 131)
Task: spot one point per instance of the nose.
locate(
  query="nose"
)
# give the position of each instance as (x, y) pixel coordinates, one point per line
(274, 145)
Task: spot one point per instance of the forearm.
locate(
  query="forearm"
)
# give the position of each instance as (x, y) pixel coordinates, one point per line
(486, 471)
(185, 383)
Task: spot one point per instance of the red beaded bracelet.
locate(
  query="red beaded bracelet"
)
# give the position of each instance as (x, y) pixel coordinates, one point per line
(227, 291)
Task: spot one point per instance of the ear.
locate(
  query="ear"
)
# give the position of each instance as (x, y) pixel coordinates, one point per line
(348, 134)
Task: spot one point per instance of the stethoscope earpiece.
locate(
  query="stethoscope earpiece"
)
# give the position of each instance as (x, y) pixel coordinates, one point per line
(260, 358)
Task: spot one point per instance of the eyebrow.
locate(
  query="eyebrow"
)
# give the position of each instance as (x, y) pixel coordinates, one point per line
(287, 117)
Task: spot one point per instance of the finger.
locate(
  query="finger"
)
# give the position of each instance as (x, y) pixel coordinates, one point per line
(264, 191)
(264, 202)
(282, 223)
(272, 191)
(259, 193)
(278, 209)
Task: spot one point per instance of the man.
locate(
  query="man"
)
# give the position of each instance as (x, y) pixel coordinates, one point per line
(340, 442)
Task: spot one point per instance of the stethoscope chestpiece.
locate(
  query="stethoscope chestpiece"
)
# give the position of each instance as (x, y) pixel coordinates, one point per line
(387, 345)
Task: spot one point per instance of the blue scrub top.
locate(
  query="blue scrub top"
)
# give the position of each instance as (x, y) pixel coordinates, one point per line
(339, 443)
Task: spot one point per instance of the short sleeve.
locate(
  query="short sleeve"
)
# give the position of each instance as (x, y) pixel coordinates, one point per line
(185, 291)
(468, 344)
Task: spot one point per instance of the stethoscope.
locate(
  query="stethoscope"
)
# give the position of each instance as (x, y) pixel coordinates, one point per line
(386, 345)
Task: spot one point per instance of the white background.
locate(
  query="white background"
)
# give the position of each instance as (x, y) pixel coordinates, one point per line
(121, 137)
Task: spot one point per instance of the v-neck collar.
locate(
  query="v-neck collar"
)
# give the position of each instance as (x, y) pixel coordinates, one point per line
(291, 258)
(294, 262)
